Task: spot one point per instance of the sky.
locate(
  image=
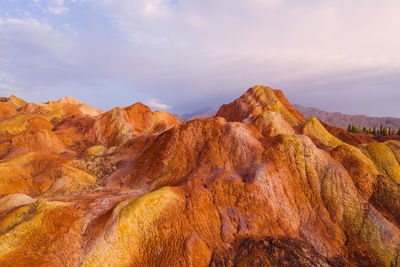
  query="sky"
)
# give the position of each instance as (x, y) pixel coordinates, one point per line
(184, 55)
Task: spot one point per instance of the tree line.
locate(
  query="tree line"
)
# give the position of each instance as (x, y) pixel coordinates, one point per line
(376, 131)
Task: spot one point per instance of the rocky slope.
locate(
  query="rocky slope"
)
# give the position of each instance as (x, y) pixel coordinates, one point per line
(257, 185)
(343, 120)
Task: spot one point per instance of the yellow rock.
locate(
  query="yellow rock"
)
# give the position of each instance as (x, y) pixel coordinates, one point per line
(314, 129)
(272, 123)
(52, 110)
(41, 234)
(17, 123)
(384, 158)
(68, 180)
(34, 173)
(14, 200)
(95, 150)
(13, 101)
(134, 223)
(395, 147)
(15, 226)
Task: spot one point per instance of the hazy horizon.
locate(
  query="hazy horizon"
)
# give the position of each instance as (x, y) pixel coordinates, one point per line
(182, 56)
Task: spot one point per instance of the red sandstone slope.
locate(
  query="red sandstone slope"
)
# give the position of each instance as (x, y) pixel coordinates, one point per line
(133, 187)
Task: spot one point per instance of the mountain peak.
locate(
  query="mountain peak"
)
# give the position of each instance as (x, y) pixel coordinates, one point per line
(256, 100)
(85, 109)
(13, 101)
(70, 100)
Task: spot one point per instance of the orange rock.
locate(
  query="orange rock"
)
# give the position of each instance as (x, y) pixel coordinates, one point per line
(72, 131)
(62, 108)
(118, 125)
(13, 101)
(282, 98)
(82, 107)
(354, 139)
(257, 185)
(6, 110)
(257, 100)
(40, 141)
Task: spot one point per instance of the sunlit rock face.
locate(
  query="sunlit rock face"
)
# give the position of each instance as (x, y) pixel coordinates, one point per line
(259, 99)
(256, 185)
(117, 126)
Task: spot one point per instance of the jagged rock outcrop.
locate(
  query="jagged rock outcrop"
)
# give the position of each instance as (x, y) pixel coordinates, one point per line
(257, 185)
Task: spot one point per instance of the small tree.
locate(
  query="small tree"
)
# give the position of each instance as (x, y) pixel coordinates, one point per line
(398, 132)
(374, 131)
(349, 128)
(354, 129)
(365, 130)
(384, 131)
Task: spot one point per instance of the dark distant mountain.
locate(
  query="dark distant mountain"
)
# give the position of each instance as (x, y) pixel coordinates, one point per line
(203, 113)
(343, 120)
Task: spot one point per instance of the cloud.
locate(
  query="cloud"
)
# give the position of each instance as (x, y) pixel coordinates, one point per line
(193, 54)
(155, 103)
(21, 35)
(33, 55)
(219, 48)
(197, 38)
(55, 7)
(8, 84)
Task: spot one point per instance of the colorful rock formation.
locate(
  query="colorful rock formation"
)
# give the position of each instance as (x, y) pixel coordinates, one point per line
(257, 185)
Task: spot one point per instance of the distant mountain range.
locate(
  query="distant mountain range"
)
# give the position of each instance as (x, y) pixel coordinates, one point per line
(203, 113)
(332, 118)
(343, 120)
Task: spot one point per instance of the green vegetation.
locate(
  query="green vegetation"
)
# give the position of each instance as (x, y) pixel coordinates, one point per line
(353, 128)
(381, 131)
(384, 131)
